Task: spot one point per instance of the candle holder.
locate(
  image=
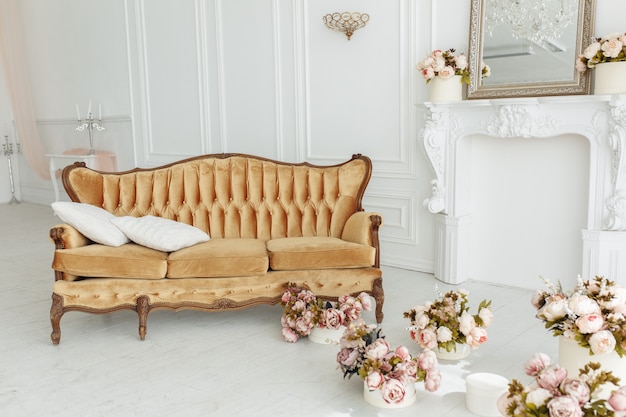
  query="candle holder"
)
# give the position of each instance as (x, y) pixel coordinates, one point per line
(8, 152)
(90, 124)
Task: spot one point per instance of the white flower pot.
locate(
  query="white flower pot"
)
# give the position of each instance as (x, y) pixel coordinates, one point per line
(375, 397)
(482, 393)
(610, 78)
(572, 357)
(325, 335)
(450, 89)
(462, 351)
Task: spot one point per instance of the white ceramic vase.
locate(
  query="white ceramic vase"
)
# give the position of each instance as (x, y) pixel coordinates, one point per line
(482, 393)
(572, 357)
(610, 78)
(375, 397)
(449, 89)
(325, 335)
(462, 351)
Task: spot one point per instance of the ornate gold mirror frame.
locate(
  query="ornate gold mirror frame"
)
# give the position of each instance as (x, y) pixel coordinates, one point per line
(522, 67)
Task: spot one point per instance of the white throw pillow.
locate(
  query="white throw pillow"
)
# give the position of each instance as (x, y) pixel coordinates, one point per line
(159, 233)
(92, 221)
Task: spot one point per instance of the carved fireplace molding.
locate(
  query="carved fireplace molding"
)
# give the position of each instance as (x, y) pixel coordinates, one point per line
(600, 119)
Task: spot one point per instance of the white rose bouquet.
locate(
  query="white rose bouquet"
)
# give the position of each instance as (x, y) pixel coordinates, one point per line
(555, 393)
(445, 64)
(365, 352)
(447, 321)
(593, 314)
(610, 48)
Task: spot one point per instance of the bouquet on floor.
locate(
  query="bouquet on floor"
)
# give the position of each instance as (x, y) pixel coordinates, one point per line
(446, 322)
(365, 352)
(593, 314)
(555, 393)
(303, 311)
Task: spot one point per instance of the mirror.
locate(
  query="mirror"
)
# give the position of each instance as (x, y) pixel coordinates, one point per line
(530, 46)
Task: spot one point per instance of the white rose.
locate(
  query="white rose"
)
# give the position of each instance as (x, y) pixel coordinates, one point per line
(612, 48)
(554, 310)
(439, 64)
(581, 304)
(538, 396)
(602, 342)
(486, 315)
(444, 334)
(461, 62)
(592, 50)
(446, 72)
(466, 323)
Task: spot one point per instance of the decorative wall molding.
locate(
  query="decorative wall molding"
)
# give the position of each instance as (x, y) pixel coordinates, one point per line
(600, 119)
(398, 209)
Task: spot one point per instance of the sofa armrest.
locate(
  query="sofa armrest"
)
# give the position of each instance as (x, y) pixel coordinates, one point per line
(65, 236)
(362, 227)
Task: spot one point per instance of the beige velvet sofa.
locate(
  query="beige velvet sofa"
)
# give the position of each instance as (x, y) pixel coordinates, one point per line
(269, 223)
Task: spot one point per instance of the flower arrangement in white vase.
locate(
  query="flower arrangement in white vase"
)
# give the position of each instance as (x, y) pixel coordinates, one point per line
(303, 311)
(554, 392)
(389, 375)
(608, 56)
(447, 72)
(446, 325)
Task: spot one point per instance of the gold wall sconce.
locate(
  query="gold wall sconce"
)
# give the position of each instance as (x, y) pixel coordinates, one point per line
(346, 22)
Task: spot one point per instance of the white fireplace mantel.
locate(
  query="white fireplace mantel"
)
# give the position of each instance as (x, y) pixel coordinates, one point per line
(600, 119)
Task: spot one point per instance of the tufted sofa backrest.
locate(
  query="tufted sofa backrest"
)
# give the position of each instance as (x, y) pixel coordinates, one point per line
(232, 195)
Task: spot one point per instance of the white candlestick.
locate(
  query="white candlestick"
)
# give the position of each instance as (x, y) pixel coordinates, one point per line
(89, 109)
(78, 113)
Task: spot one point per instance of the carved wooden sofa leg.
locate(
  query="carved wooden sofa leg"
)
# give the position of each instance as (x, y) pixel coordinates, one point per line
(56, 312)
(379, 295)
(143, 308)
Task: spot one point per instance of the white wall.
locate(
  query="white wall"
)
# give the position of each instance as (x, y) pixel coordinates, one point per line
(265, 77)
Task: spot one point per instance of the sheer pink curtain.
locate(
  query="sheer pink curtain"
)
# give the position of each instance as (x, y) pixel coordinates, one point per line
(18, 85)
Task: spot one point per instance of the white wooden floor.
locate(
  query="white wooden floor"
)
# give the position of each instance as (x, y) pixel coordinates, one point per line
(213, 364)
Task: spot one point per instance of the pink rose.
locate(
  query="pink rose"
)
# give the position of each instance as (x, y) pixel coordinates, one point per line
(617, 400)
(565, 406)
(333, 318)
(580, 65)
(373, 380)
(477, 337)
(427, 338)
(422, 320)
(602, 342)
(433, 380)
(299, 305)
(590, 323)
(366, 301)
(577, 389)
(377, 349)
(286, 297)
(403, 353)
(290, 335)
(446, 72)
(428, 73)
(427, 360)
(551, 378)
(537, 363)
(411, 369)
(393, 391)
(303, 326)
(347, 356)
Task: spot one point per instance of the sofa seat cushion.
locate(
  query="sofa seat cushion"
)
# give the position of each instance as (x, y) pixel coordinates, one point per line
(294, 253)
(219, 258)
(126, 261)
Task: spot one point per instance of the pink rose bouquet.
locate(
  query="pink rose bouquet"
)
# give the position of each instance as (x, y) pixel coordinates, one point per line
(445, 64)
(303, 311)
(593, 314)
(555, 393)
(365, 352)
(446, 322)
(610, 48)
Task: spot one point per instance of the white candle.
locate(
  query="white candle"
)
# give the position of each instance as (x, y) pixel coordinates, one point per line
(89, 109)
(78, 113)
(100, 112)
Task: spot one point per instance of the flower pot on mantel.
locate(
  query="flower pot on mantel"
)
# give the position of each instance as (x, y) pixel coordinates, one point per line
(610, 78)
(462, 351)
(572, 357)
(375, 397)
(326, 335)
(449, 89)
